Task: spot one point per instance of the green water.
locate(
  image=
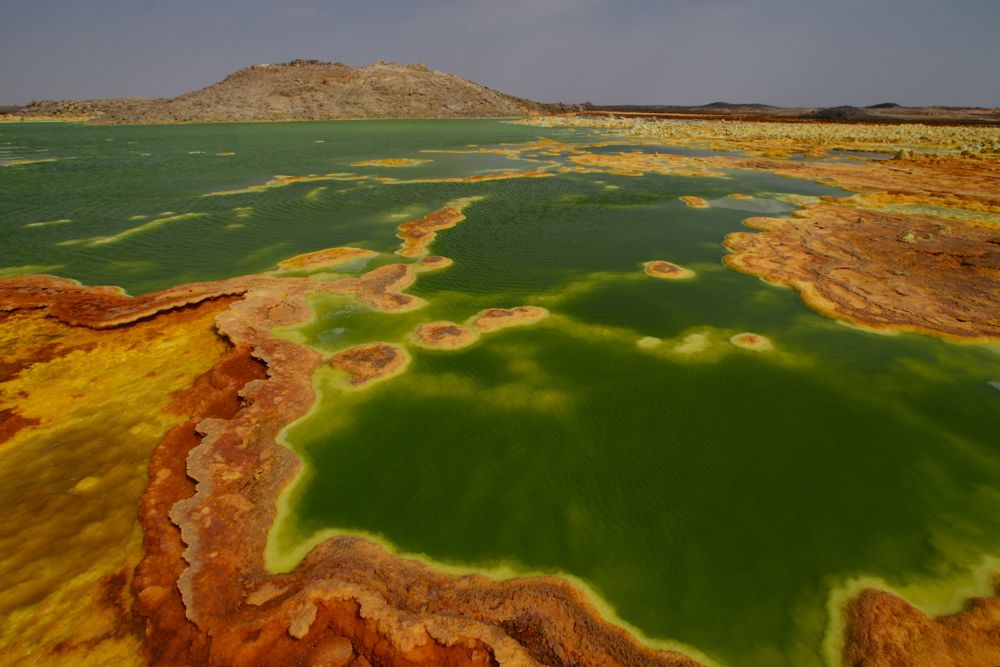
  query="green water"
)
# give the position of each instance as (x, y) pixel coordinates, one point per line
(716, 498)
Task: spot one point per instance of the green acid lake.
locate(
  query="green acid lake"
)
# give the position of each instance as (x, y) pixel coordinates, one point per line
(721, 498)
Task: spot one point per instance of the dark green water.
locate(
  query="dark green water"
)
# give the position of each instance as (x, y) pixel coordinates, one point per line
(715, 498)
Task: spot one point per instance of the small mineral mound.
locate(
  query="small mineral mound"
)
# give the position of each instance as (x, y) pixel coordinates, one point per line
(434, 262)
(693, 343)
(694, 202)
(444, 335)
(324, 258)
(667, 270)
(752, 341)
(648, 342)
(494, 319)
(371, 362)
(740, 195)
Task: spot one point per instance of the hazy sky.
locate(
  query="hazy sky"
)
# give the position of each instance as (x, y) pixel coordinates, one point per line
(789, 52)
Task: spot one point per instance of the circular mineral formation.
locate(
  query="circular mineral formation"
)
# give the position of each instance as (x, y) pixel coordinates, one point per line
(371, 361)
(667, 270)
(444, 336)
(752, 341)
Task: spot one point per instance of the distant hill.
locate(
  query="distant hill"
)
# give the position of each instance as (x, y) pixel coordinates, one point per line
(844, 113)
(305, 90)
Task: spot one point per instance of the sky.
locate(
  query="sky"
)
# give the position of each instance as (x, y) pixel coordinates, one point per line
(784, 52)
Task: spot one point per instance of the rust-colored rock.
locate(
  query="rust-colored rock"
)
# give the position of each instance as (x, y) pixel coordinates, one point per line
(879, 270)
(883, 630)
(11, 422)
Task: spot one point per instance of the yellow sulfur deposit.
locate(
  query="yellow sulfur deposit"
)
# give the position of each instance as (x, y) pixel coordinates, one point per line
(80, 412)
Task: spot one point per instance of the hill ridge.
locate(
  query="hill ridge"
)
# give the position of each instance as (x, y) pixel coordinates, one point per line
(305, 90)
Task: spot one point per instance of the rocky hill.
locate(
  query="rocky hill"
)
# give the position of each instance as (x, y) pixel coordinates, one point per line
(305, 90)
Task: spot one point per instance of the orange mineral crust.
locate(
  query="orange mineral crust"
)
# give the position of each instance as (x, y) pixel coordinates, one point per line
(392, 162)
(752, 341)
(434, 262)
(201, 593)
(884, 271)
(444, 335)
(371, 361)
(883, 630)
(498, 176)
(694, 202)
(956, 182)
(667, 270)
(494, 319)
(324, 258)
(418, 234)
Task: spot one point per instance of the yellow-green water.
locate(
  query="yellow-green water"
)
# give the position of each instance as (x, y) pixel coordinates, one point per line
(711, 495)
